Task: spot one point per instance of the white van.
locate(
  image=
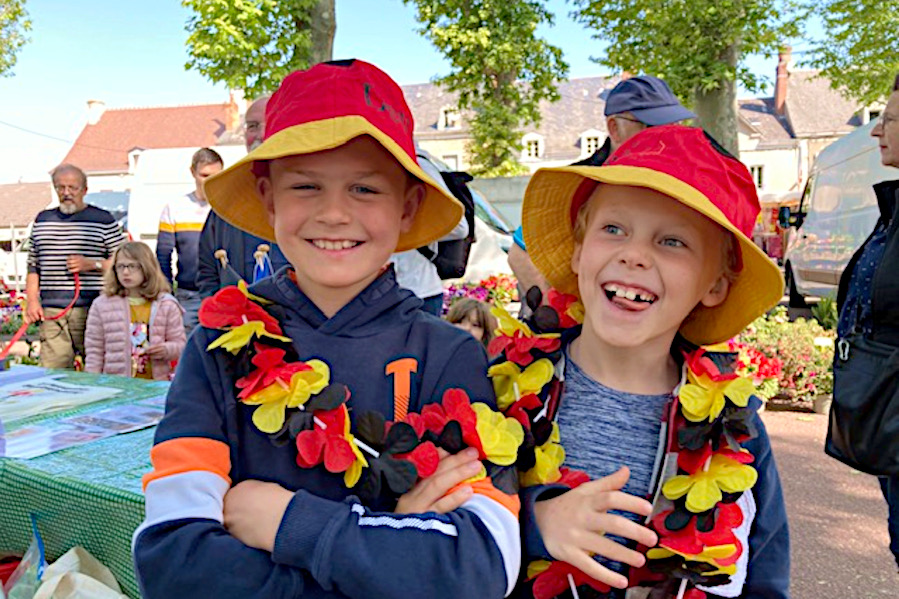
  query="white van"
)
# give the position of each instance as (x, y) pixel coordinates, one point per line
(836, 215)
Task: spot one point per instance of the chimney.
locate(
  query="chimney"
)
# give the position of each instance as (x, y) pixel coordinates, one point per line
(783, 77)
(95, 110)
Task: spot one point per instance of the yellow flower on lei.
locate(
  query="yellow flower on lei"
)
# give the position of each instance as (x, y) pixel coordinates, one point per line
(242, 285)
(703, 398)
(240, 336)
(274, 399)
(704, 488)
(709, 555)
(511, 383)
(549, 458)
(354, 472)
(500, 436)
(508, 325)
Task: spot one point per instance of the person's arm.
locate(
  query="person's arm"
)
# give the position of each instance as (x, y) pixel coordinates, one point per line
(207, 269)
(474, 551)
(94, 340)
(182, 548)
(34, 312)
(524, 270)
(175, 337)
(768, 574)
(165, 242)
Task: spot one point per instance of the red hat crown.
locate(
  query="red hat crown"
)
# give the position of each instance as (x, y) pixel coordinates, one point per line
(330, 90)
(717, 175)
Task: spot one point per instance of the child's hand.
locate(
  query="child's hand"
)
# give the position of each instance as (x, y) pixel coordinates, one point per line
(430, 494)
(157, 350)
(573, 526)
(253, 512)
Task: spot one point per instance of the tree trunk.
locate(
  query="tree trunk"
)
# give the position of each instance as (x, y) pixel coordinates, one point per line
(323, 26)
(717, 108)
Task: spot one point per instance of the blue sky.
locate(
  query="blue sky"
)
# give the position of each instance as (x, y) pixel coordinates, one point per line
(131, 54)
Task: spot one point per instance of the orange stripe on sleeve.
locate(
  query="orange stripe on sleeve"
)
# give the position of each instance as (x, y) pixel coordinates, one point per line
(485, 488)
(188, 454)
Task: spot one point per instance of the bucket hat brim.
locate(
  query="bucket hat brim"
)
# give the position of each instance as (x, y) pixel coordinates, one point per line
(233, 195)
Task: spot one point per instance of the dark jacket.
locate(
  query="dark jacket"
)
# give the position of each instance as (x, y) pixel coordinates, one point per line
(328, 544)
(219, 234)
(884, 296)
(767, 572)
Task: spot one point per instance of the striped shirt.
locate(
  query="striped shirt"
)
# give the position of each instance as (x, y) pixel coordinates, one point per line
(180, 225)
(603, 429)
(91, 232)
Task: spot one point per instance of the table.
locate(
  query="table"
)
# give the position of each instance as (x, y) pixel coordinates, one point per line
(88, 495)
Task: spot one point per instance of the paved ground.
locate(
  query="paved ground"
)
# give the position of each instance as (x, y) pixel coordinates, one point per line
(837, 516)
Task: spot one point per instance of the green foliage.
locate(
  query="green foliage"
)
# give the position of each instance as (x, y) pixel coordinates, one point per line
(14, 24)
(804, 348)
(253, 44)
(697, 46)
(859, 49)
(825, 312)
(10, 324)
(500, 69)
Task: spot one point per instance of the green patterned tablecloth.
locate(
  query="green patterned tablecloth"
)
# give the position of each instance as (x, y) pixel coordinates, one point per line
(89, 495)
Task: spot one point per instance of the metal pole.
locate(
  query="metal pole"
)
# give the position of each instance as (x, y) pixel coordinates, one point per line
(15, 255)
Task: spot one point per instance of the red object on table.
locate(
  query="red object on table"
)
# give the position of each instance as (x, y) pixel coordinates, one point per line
(8, 565)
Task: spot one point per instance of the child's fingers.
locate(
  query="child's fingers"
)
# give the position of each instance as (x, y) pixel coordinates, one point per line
(453, 501)
(594, 569)
(618, 500)
(613, 551)
(622, 527)
(612, 482)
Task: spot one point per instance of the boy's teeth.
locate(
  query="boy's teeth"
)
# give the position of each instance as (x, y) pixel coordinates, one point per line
(327, 244)
(629, 293)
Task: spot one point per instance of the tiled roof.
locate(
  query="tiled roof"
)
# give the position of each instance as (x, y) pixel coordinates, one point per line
(759, 113)
(817, 110)
(20, 202)
(104, 147)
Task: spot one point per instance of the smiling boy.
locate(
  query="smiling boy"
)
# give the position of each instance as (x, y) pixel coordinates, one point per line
(234, 509)
(655, 243)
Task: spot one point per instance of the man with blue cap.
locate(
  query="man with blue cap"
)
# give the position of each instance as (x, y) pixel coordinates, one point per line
(633, 105)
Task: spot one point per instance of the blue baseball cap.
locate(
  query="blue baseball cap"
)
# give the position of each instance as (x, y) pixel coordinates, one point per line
(649, 99)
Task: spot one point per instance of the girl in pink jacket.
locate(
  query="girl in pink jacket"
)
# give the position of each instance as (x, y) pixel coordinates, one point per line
(135, 328)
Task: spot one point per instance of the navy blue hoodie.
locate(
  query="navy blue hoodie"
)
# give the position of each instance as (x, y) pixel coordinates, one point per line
(328, 544)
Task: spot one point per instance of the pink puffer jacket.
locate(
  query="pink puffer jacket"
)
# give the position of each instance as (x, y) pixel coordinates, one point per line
(107, 338)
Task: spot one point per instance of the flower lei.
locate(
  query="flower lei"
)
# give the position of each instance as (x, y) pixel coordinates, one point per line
(695, 515)
(297, 403)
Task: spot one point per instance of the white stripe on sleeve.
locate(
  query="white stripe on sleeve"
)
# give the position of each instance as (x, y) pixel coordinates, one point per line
(503, 527)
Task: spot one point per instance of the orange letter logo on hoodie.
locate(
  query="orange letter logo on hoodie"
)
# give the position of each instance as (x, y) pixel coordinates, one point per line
(401, 370)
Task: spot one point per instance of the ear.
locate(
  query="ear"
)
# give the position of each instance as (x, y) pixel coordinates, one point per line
(267, 197)
(717, 294)
(413, 198)
(614, 133)
(576, 258)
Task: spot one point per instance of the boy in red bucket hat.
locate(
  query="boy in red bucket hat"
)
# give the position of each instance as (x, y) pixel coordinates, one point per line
(686, 498)
(292, 460)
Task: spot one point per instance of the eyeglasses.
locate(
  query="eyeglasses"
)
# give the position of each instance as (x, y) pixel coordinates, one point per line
(884, 119)
(67, 188)
(124, 267)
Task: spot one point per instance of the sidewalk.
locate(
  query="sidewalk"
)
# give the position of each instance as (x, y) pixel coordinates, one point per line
(837, 516)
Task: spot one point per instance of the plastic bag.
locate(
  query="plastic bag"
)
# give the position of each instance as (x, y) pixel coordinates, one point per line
(23, 582)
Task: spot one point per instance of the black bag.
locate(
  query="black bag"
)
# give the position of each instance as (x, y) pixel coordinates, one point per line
(451, 257)
(864, 417)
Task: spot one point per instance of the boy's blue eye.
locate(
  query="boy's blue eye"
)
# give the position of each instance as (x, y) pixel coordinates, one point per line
(302, 186)
(363, 189)
(673, 242)
(612, 229)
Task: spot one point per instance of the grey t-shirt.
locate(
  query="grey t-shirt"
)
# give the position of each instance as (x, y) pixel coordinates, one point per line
(603, 429)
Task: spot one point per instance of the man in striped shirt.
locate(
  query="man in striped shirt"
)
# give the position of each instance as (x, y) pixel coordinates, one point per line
(71, 238)
(180, 225)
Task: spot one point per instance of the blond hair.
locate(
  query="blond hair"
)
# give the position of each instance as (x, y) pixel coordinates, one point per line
(730, 251)
(154, 283)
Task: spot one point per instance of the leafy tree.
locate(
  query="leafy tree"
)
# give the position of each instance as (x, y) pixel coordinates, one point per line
(859, 52)
(14, 24)
(697, 46)
(253, 44)
(500, 69)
